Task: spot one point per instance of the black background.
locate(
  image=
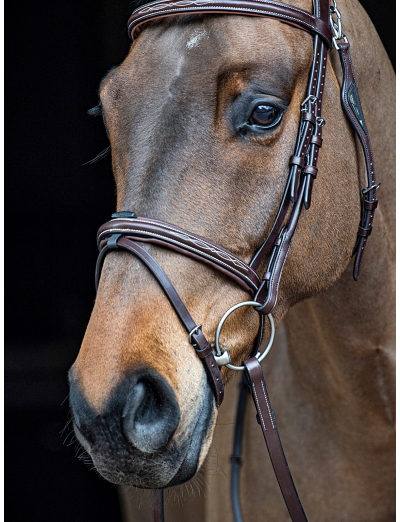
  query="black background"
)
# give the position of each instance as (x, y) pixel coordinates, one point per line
(56, 54)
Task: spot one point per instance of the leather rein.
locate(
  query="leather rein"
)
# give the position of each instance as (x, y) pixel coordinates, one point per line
(126, 231)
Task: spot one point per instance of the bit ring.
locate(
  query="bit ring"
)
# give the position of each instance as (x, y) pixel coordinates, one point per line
(260, 356)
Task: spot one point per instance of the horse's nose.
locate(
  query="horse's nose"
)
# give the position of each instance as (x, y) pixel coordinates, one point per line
(141, 411)
(151, 413)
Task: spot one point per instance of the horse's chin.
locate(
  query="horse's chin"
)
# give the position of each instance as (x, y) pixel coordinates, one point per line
(121, 463)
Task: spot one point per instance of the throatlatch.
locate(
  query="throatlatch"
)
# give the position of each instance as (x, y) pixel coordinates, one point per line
(126, 230)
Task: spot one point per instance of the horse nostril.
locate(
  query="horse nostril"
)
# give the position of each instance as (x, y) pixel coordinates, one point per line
(151, 413)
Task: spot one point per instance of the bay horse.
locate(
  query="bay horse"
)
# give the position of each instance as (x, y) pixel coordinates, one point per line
(182, 113)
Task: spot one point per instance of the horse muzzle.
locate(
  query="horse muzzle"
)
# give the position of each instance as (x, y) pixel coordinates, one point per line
(135, 439)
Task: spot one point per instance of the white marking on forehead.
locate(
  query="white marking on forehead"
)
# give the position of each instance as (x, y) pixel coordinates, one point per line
(195, 39)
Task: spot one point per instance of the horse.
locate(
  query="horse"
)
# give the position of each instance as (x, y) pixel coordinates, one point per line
(182, 114)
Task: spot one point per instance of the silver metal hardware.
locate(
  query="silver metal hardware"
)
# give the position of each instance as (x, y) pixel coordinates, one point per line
(260, 356)
(336, 21)
(223, 359)
(194, 331)
(335, 41)
(320, 121)
(311, 98)
(336, 25)
(372, 187)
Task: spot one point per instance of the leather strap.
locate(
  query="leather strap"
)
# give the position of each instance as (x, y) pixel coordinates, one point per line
(201, 345)
(236, 457)
(352, 108)
(267, 421)
(309, 141)
(179, 240)
(267, 293)
(269, 8)
(158, 505)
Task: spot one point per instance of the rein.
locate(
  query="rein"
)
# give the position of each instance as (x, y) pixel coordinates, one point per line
(125, 230)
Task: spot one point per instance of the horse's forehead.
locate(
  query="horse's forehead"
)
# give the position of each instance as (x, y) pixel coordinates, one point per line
(182, 46)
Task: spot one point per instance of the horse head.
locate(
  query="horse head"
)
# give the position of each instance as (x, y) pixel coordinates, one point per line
(202, 118)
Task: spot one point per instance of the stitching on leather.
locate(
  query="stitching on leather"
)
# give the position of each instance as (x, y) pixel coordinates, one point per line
(167, 239)
(192, 237)
(279, 280)
(147, 8)
(352, 116)
(283, 264)
(263, 386)
(258, 407)
(234, 9)
(318, 71)
(368, 152)
(286, 6)
(252, 285)
(370, 172)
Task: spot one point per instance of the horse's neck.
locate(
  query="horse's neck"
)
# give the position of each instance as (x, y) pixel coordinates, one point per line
(340, 344)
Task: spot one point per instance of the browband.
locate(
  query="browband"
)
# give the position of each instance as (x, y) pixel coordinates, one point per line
(283, 12)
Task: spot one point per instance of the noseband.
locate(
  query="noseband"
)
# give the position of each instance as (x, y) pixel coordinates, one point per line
(125, 230)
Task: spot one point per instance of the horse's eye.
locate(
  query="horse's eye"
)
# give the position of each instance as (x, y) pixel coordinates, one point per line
(265, 116)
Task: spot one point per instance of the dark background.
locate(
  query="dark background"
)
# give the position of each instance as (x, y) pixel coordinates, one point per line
(56, 54)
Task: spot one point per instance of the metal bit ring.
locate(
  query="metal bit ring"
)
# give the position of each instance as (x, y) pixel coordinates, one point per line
(260, 356)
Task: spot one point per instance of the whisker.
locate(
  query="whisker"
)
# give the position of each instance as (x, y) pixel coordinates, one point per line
(64, 400)
(73, 438)
(99, 156)
(65, 427)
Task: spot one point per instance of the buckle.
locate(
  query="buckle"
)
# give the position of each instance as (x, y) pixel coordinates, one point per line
(195, 330)
(311, 98)
(372, 187)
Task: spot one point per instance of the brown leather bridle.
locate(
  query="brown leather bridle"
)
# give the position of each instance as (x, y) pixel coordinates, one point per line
(126, 230)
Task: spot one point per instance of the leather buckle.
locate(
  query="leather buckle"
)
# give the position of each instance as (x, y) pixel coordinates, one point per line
(195, 330)
(368, 189)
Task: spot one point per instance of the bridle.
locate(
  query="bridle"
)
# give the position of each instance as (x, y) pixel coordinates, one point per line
(125, 230)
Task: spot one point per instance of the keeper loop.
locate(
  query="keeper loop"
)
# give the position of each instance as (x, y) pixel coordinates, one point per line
(112, 242)
(312, 171)
(364, 232)
(309, 116)
(296, 160)
(316, 140)
(370, 205)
